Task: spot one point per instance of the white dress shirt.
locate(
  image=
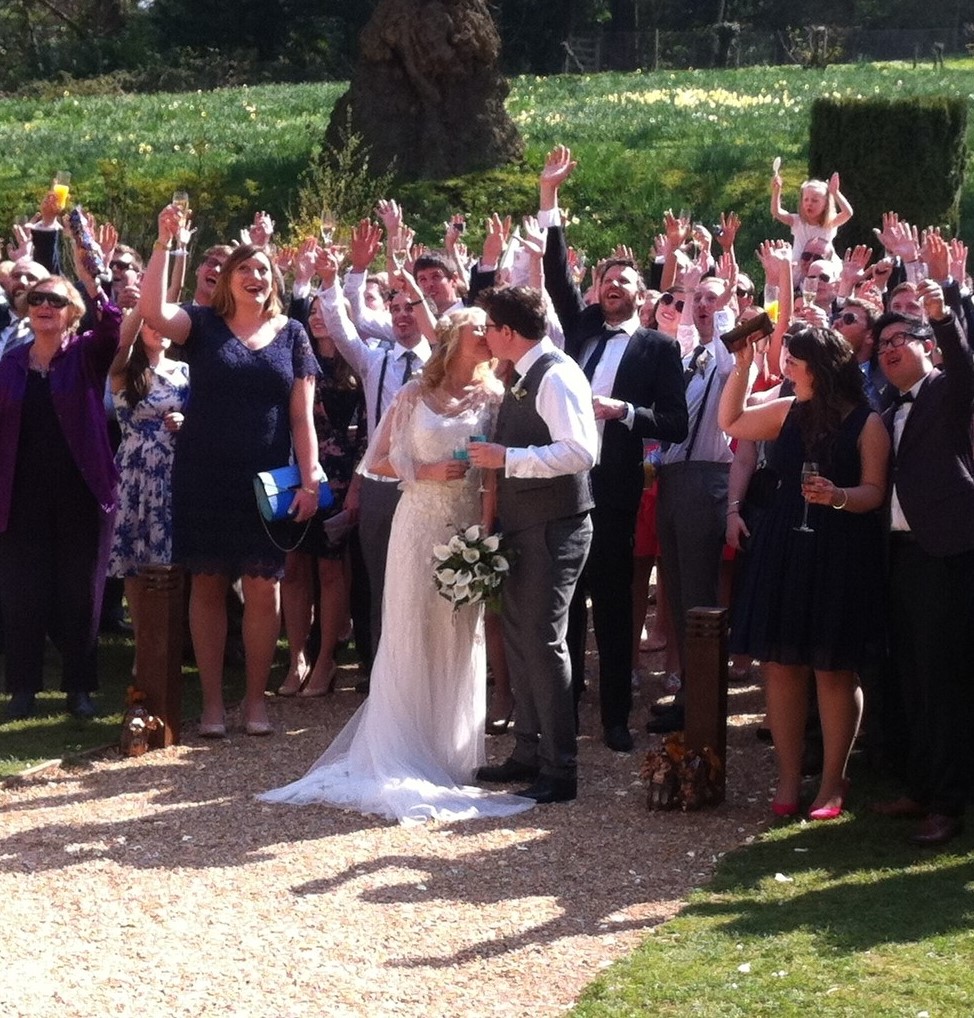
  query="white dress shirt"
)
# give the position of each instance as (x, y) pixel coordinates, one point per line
(898, 520)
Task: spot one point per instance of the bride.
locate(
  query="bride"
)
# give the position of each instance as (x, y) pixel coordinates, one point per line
(410, 749)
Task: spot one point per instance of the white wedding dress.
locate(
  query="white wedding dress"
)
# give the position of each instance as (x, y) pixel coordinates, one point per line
(409, 751)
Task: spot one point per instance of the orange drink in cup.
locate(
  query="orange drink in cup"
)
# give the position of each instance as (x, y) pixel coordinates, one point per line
(61, 186)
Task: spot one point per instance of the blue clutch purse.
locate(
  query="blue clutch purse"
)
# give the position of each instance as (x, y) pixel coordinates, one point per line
(275, 492)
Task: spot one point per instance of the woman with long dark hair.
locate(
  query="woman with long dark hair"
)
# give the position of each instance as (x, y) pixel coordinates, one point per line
(149, 391)
(810, 595)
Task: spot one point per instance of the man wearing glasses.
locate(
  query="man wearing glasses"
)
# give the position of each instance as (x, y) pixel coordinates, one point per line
(931, 581)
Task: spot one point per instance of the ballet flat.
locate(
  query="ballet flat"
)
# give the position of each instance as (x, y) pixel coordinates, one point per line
(831, 812)
(327, 690)
(784, 809)
(214, 731)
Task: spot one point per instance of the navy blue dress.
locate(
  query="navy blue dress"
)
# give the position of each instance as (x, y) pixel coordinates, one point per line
(812, 599)
(237, 424)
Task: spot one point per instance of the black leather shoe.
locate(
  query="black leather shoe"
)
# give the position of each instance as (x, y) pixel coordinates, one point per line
(618, 738)
(936, 829)
(548, 789)
(509, 770)
(21, 706)
(80, 705)
(672, 720)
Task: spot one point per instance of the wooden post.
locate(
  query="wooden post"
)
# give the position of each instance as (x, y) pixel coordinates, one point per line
(159, 648)
(706, 685)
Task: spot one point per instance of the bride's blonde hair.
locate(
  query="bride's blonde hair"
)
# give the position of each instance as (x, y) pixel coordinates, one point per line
(448, 331)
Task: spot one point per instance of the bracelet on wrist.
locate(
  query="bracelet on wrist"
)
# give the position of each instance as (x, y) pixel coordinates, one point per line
(160, 245)
(844, 502)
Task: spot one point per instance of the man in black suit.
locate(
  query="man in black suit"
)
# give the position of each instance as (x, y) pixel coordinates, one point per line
(637, 385)
(931, 581)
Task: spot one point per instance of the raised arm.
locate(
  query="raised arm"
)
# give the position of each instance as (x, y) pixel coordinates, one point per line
(843, 210)
(168, 318)
(777, 209)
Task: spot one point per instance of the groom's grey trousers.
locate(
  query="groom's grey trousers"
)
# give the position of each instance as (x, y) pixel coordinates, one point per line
(547, 561)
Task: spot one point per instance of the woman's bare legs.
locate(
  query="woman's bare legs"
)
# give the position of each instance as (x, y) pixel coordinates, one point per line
(332, 615)
(840, 710)
(208, 627)
(133, 595)
(297, 596)
(261, 628)
(786, 693)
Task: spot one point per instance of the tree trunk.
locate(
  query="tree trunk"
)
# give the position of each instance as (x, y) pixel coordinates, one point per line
(427, 94)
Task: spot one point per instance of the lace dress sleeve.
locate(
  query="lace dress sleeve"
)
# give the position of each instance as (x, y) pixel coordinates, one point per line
(391, 449)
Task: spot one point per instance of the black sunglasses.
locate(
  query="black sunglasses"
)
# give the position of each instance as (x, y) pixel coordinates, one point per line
(807, 256)
(669, 298)
(847, 318)
(39, 297)
(741, 292)
(824, 276)
(117, 263)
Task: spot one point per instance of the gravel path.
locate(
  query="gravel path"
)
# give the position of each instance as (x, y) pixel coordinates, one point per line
(158, 886)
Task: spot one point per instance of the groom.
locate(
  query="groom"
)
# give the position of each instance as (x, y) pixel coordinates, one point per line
(544, 446)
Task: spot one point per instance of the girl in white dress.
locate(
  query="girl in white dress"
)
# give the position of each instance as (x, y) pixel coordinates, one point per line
(412, 747)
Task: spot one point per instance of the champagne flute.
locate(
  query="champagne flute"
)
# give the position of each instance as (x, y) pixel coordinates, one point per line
(809, 290)
(328, 224)
(181, 200)
(809, 470)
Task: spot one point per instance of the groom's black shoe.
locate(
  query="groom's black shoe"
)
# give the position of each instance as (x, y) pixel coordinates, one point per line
(509, 770)
(618, 738)
(550, 789)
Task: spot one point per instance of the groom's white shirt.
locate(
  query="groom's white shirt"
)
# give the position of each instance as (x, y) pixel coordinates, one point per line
(564, 403)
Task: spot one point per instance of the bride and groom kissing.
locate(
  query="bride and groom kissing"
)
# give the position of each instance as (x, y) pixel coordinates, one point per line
(411, 749)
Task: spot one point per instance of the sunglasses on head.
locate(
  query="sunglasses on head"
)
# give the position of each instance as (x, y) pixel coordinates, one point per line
(39, 297)
(669, 298)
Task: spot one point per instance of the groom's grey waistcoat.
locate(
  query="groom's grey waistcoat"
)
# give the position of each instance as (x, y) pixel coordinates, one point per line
(527, 501)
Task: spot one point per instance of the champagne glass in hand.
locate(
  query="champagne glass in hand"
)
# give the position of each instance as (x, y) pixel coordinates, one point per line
(481, 488)
(809, 470)
(328, 224)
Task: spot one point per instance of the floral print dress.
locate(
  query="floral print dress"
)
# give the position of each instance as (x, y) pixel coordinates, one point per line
(143, 523)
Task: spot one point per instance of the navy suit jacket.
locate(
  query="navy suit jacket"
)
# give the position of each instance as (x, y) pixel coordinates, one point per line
(650, 377)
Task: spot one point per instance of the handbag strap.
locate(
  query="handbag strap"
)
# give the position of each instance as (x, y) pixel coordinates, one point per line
(281, 547)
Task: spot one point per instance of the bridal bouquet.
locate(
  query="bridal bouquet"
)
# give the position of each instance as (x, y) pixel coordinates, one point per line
(470, 567)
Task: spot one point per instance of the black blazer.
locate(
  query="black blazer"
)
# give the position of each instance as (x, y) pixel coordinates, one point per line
(933, 469)
(650, 377)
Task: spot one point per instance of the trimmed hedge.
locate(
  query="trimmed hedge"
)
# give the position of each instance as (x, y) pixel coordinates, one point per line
(907, 155)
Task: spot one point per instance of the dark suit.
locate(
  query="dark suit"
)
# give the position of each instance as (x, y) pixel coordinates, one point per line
(932, 577)
(650, 378)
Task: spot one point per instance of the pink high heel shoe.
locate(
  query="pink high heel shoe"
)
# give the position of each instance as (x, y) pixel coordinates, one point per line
(784, 809)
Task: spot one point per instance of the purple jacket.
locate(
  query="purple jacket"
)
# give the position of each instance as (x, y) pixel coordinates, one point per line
(78, 374)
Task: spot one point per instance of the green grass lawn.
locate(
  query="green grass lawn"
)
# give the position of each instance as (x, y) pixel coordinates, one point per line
(839, 919)
(703, 140)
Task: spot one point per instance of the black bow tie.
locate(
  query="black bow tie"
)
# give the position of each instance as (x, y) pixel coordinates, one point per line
(902, 397)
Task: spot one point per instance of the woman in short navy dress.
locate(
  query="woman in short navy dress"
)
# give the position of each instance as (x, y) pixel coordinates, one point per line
(253, 384)
(810, 600)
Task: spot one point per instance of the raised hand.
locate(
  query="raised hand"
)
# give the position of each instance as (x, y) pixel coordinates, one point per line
(390, 213)
(854, 263)
(558, 167)
(729, 225)
(452, 231)
(22, 245)
(885, 234)
(533, 237)
(623, 251)
(958, 260)
(366, 244)
(169, 222)
(304, 259)
(934, 251)
(498, 234)
(834, 184)
(677, 229)
(931, 295)
(327, 264)
(261, 229)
